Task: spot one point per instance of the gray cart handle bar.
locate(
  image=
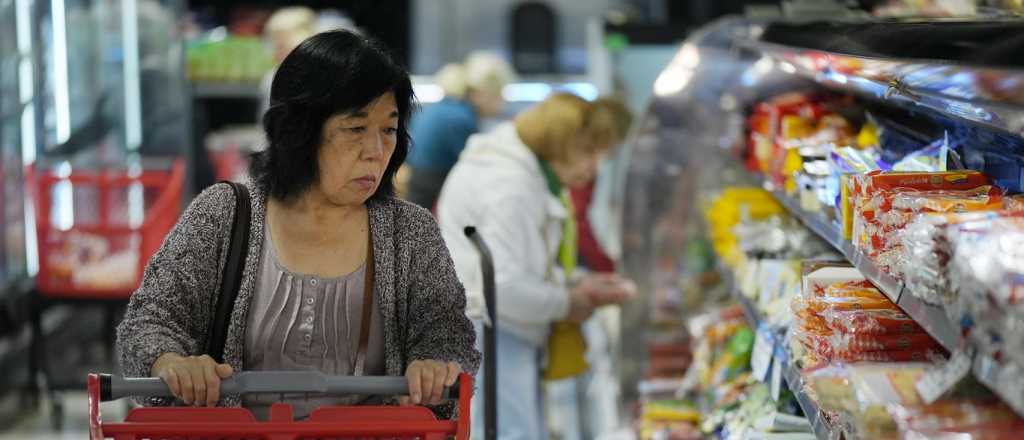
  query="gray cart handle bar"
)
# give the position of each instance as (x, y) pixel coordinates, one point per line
(269, 382)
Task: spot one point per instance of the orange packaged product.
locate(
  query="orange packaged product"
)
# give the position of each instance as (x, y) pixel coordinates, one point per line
(1014, 203)
(821, 304)
(876, 181)
(952, 418)
(928, 354)
(853, 343)
(859, 289)
(811, 322)
(872, 195)
(871, 322)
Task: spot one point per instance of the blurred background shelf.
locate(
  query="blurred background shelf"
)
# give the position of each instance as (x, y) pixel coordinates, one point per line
(242, 90)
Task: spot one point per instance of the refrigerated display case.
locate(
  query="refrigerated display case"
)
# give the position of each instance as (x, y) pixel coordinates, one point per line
(678, 151)
(111, 105)
(107, 134)
(957, 84)
(110, 81)
(12, 111)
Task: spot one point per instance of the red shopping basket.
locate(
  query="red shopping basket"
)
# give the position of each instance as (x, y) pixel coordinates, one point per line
(336, 422)
(110, 224)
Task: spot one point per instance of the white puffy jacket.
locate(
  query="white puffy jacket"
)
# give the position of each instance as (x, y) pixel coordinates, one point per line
(498, 187)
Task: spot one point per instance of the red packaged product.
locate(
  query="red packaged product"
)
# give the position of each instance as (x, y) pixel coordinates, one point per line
(845, 343)
(871, 322)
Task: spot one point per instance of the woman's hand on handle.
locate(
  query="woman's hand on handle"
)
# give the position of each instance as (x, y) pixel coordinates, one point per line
(193, 379)
(428, 379)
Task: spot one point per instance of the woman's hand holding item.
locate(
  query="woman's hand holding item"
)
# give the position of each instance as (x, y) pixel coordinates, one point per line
(428, 379)
(193, 379)
(580, 306)
(610, 288)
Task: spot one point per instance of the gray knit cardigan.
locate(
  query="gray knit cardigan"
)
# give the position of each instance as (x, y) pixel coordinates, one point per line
(421, 299)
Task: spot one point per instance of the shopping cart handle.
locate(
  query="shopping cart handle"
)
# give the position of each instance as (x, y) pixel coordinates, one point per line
(269, 382)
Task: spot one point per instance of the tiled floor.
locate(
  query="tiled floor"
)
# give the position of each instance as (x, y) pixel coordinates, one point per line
(38, 424)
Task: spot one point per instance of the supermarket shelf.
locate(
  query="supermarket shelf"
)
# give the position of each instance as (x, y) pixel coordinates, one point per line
(754, 317)
(822, 428)
(243, 90)
(931, 317)
(970, 93)
(750, 311)
(1002, 379)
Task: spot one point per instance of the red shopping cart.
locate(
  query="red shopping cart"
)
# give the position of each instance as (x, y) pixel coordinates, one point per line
(337, 422)
(340, 422)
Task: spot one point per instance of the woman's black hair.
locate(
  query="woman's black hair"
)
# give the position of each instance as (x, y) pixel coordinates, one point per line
(331, 73)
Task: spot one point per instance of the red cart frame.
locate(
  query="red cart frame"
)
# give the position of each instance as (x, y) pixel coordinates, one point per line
(337, 422)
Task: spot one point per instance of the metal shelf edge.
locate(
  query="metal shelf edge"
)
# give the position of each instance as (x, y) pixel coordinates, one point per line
(1000, 379)
(899, 87)
(821, 428)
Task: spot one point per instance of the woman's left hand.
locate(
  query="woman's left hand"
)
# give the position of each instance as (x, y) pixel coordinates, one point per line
(428, 379)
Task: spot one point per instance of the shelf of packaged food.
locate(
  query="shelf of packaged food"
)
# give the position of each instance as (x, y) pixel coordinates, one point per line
(821, 427)
(1002, 378)
(978, 94)
(931, 317)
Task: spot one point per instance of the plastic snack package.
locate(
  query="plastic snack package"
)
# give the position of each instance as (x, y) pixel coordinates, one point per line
(854, 160)
(927, 354)
(1014, 203)
(844, 343)
(928, 251)
(819, 305)
(871, 322)
(931, 158)
(896, 209)
(872, 197)
(987, 272)
(877, 386)
(831, 388)
(949, 419)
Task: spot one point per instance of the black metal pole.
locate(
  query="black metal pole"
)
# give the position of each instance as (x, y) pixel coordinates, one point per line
(490, 343)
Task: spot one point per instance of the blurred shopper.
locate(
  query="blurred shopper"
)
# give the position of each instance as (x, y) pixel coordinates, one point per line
(329, 244)
(284, 31)
(510, 184)
(586, 406)
(615, 118)
(472, 91)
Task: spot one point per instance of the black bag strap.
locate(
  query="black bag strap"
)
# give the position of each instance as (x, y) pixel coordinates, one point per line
(231, 279)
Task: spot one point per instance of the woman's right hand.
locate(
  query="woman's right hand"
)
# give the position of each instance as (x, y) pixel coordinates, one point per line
(193, 379)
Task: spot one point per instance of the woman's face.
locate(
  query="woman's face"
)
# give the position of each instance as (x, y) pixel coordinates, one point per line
(356, 150)
(581, 166)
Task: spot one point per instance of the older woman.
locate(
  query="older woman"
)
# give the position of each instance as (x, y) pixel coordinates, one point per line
(510, 184)
(322, 215)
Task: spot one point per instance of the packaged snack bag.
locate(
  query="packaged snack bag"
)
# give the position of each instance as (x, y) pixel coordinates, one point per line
(871, 322)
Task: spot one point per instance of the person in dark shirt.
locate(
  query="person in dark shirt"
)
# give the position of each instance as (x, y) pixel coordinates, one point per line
(472, 91)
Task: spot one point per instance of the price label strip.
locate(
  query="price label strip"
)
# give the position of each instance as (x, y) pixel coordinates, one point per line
(761, 355)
